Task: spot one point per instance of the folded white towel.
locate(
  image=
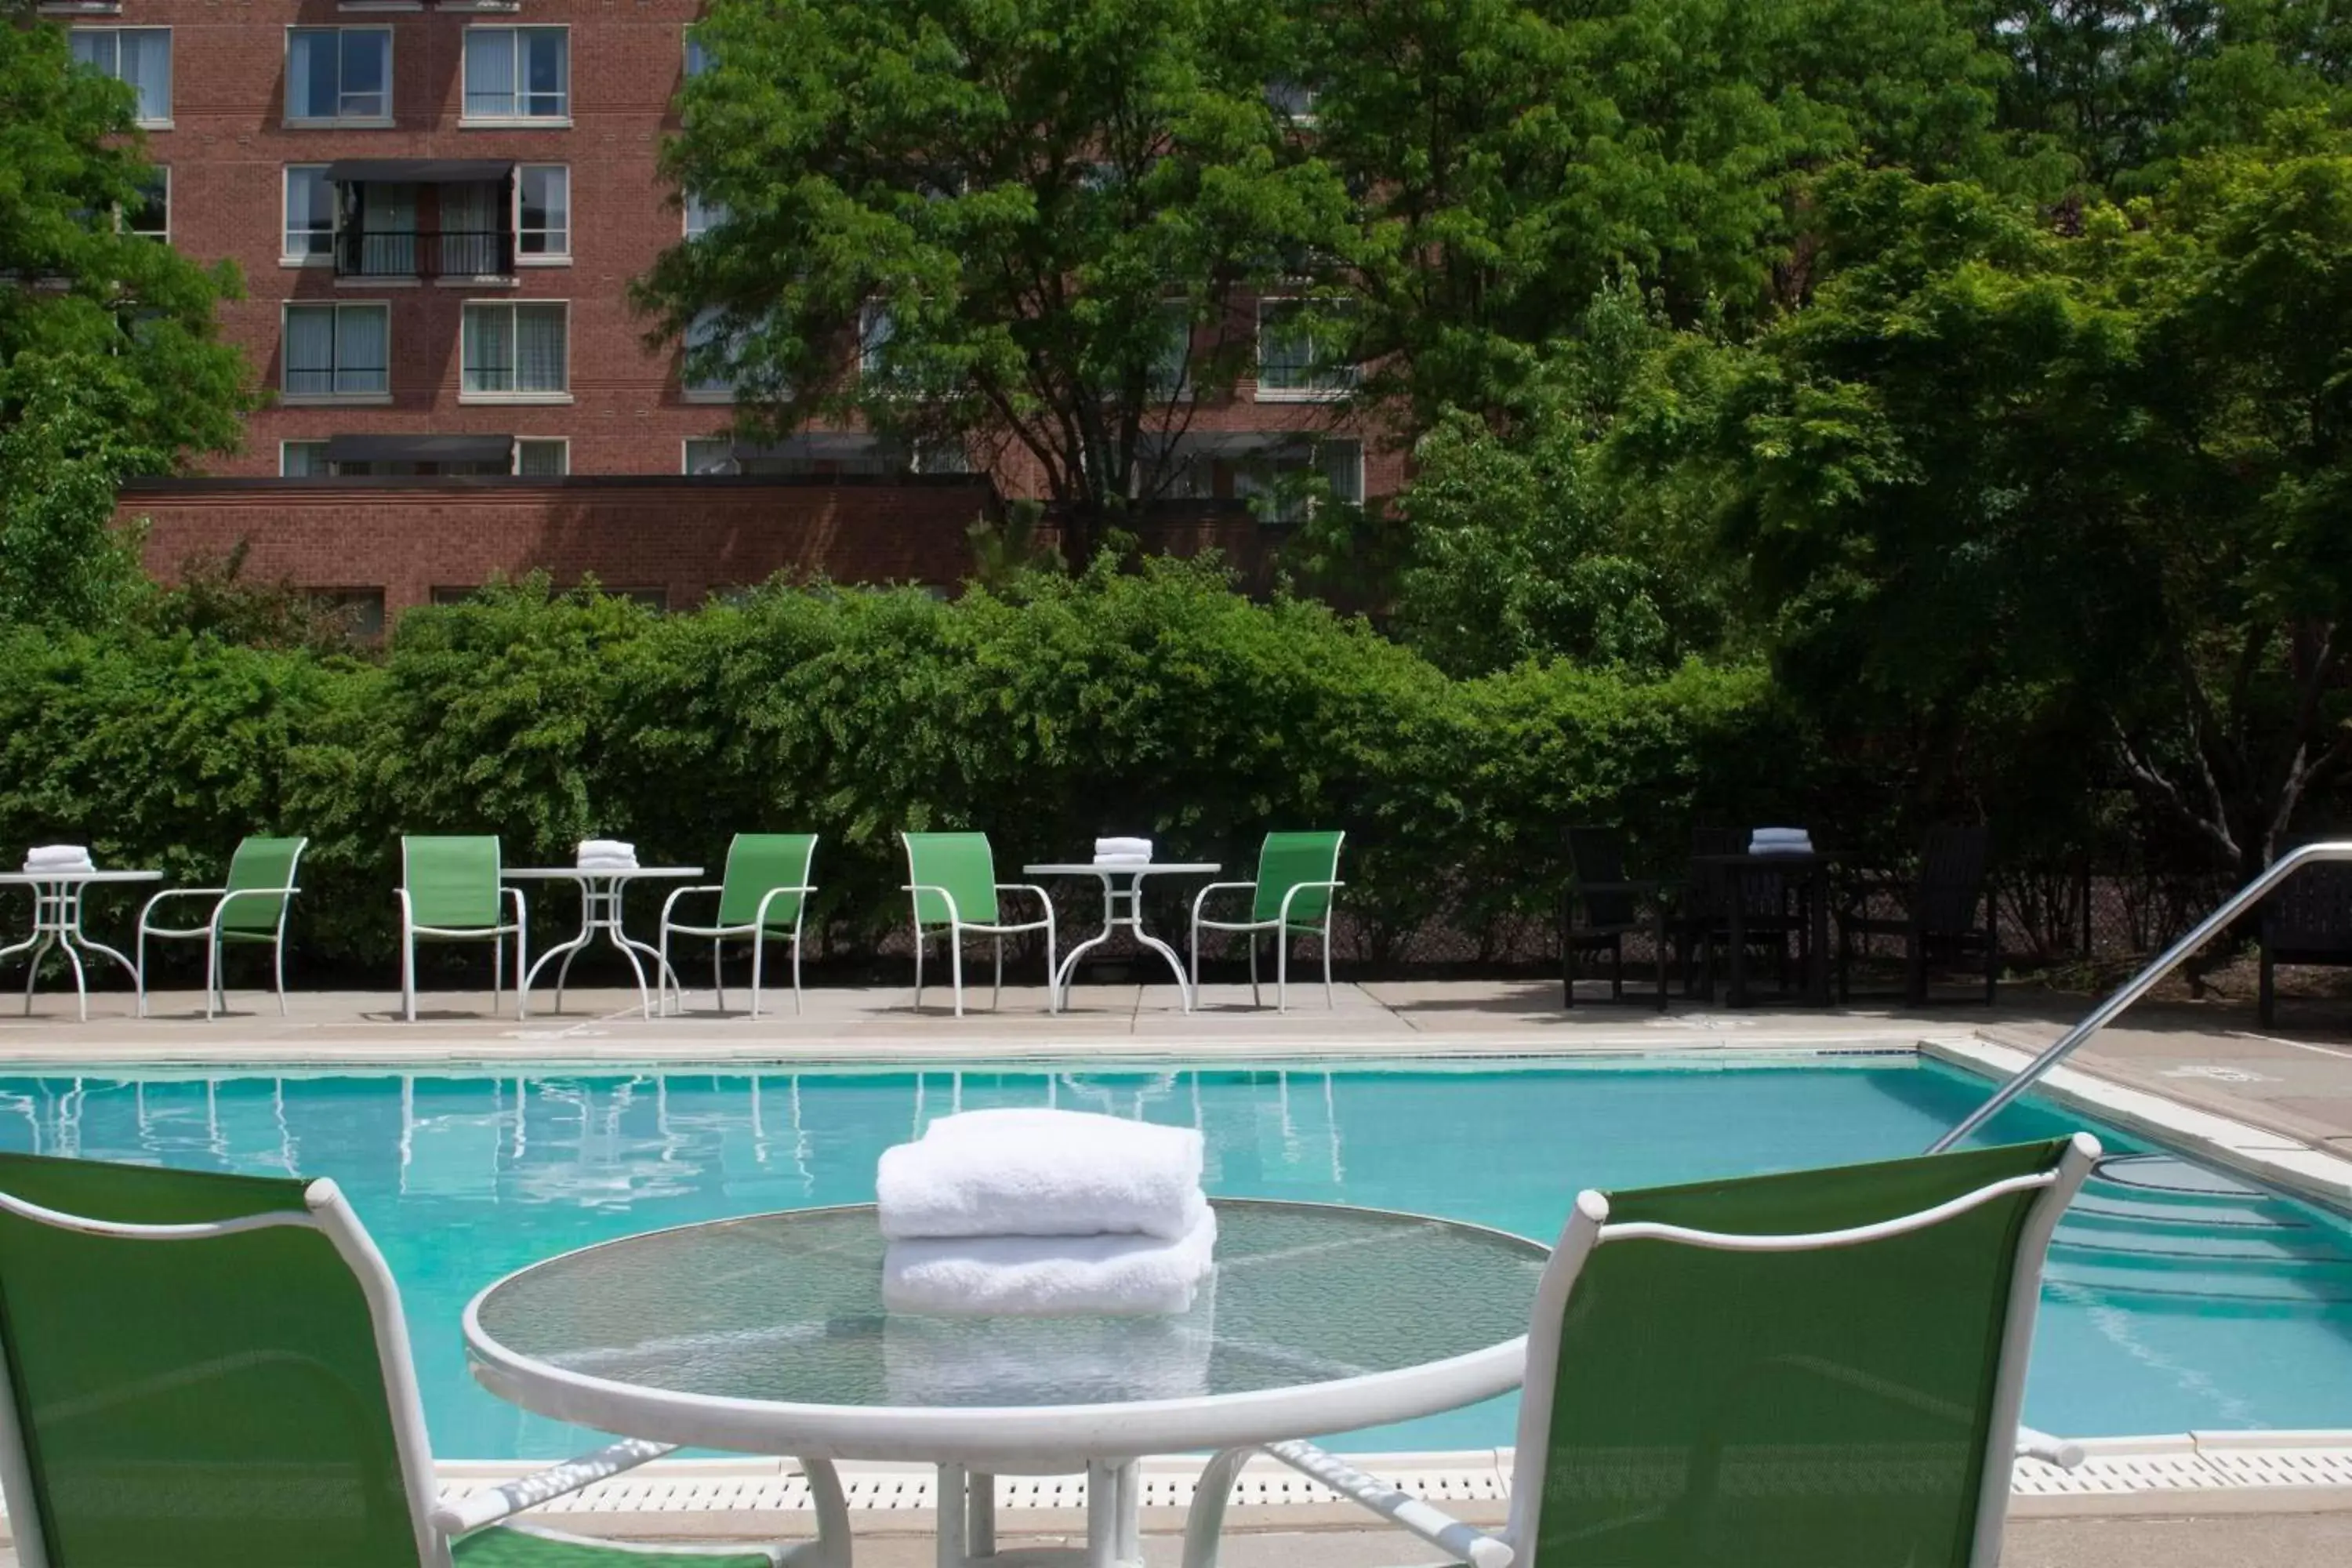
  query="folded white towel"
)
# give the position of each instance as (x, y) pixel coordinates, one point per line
(607, 851)
(1109, 850)
(1042, 1173)
(1780, 835)
(58, 857)
(931, 1361)
(1048, 1276)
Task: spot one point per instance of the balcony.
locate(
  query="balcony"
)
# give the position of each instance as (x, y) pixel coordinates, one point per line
(451, 253)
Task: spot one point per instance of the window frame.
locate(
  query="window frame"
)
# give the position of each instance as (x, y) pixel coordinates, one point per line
(286, 446)
(687, 203)
(466, 118)
(541, 257)
(171, 69)
(514, 341)
(321, 399)
(563, 441)
(293, 122)
(287, 256)
(686, 456)
(688, 391)
(165, 237)
(1262, 393)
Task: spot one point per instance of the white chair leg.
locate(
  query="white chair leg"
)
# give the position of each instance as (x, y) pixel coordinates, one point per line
(759, 947)
(955, 963)
(718, 975)
(522, 969)
(796, 971)
(996, 997)
(139, 970)
(1329, 999)
(919, 969)
(661, 975)
(1281, 969)
(408, 971)
(277, 967)
(1196, 959)
(498, 969)
(1254, 1001)
(215, 978)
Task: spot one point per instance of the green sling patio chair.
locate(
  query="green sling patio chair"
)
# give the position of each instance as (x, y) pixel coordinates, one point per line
(449, 892)
(1297, 876)
(250, 909)
(762, 895)
(952, 877)
(1820, 1369)
(212, 1370)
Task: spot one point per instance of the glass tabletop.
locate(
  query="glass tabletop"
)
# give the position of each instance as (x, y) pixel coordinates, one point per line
(788, 1308)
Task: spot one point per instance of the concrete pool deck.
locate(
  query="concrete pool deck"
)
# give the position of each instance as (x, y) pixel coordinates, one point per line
(2278, 1104)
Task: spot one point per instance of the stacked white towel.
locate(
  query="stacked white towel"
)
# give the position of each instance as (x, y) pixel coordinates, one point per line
(1045, 1214)
(607, 855)
(58, 857)
(1780, 841)
(1122, 851)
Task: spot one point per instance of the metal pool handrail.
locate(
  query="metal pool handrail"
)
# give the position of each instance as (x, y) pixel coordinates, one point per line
(2139, 984)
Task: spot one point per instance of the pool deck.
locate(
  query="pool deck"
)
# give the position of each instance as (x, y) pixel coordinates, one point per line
(2276, 1104)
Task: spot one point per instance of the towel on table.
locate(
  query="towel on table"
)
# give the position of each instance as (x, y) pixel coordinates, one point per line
(1122, 851)
(1049, 1276)
(58, 857)
(607, 852)
(1042, 1173)
(930, 1360)
(1780, 841)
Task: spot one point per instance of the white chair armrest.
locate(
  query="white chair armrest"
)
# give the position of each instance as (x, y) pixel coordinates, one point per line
(147, 908)
(1298, 888)
(2063, 1452)
(522, 910)
(1202, 895)
(677, 893)
(1467, 1542)
(760, 915)
(463, 1516)
(1026, 888)
(955, 915)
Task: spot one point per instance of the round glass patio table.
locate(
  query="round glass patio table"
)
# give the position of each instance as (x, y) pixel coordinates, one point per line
(767, 1335)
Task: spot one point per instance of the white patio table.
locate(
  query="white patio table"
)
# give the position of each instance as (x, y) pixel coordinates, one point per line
(57, 922)
(768, 1335)
(1122, 887)
(600, 888)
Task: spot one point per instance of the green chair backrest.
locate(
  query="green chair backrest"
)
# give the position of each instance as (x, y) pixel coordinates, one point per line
(1802, 1409)
(1287, 859)
(963, 864)
(756, 864)
(203, 1403)
(260, 863)
(452, 878)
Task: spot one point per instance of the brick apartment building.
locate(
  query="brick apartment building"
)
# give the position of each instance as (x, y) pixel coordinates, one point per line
(437, 206)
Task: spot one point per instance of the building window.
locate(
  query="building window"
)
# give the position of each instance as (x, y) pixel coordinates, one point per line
(360, 610)
(702, 216)
(708, 374)
(338, 351)
(1172, 362)
(151, 215)
(875, 331)
(339, 75)
(140, 56)
(710, 454)
(518, 73)
(516, 352)
(698, 54)
(302, 459)
(1286, 483)
(1292, 100)
(310, 215)
(543, 212)
(543, 460)
(1299, 356)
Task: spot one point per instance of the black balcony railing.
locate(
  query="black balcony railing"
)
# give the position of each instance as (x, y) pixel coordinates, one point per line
(424, 252)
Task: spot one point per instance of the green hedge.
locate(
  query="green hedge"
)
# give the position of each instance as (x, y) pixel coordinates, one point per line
(1157, 701)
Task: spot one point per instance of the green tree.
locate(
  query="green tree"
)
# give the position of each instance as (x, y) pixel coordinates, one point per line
(1020, 224)
(109, 359)
(2001, 468)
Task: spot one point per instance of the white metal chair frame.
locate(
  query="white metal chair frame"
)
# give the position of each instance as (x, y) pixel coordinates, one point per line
(957, 925)
(215, 982)
(1588, 1228)
(410, 931)
(436, 1524)
(1280, 925)
(757, 931)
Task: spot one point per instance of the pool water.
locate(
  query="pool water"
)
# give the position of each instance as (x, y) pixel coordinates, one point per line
(2178, 1297)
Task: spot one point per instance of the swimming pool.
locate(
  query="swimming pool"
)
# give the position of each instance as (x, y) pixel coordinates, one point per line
(2178, 1299)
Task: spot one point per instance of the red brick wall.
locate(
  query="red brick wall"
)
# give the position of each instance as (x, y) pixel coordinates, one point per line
(687, 538)
(228, 146)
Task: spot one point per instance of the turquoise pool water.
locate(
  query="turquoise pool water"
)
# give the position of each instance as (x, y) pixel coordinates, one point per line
(2177, 1299)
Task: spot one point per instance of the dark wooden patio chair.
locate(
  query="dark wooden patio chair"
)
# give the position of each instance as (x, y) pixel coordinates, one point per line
(1612, 907)
(1702, 924)
(2307, 919)
(1940, 919)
